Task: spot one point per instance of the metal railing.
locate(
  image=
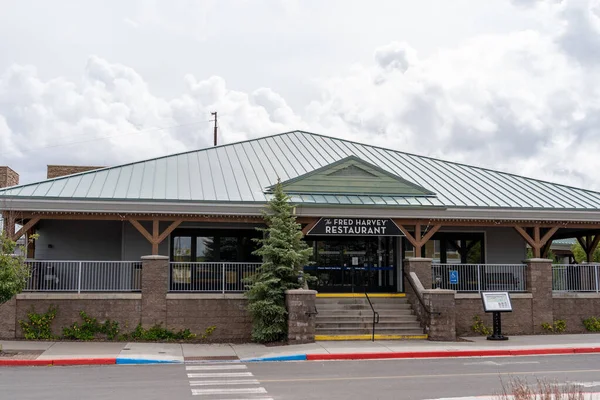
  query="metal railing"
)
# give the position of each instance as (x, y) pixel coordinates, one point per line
(210, 276)
(576, 278)
(84, 276)
(480, 277)
(375, 316)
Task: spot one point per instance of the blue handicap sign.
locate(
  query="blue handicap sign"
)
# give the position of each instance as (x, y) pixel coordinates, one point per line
(454, 277)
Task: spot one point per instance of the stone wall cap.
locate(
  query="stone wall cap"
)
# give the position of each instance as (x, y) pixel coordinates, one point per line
(418, 259)
(538, 260)
(439, 291)
(300, 291)
(155, 257)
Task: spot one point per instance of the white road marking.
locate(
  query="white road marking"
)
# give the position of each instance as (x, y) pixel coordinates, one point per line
(583, 384)
(501, 363)
(208, 392)
(227, 382)
(224, 381)
(220, 375)
(213, 367)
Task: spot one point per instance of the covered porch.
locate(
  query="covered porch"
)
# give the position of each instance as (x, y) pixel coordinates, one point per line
(83, 252)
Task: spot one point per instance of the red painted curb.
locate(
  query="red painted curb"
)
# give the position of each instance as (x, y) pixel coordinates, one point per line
(86, 361)
(25, 363)
(452, 353)
(59, 362)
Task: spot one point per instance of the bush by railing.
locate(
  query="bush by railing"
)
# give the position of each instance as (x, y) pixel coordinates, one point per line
(480, 277)
(210, 276)
(576, 278)
(84, 276)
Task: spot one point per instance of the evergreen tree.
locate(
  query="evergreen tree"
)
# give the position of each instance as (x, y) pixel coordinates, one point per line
(284, 255)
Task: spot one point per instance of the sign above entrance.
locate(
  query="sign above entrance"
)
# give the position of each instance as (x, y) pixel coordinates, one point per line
(355, 227)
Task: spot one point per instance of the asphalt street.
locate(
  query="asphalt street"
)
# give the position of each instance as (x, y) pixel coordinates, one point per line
(381, 379)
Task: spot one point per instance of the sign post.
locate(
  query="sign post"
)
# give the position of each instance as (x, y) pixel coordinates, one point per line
(496, 303)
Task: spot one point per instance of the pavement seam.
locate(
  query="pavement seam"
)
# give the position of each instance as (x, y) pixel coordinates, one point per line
(51, 346)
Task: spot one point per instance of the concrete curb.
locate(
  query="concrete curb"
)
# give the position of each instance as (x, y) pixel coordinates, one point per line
(452, 353)
(313, 357)
(144, 361)
(293, 357)
(58, 362)
(85, 361)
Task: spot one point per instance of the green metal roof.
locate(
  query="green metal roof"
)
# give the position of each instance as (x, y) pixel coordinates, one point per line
(353, 176)
(243, 172)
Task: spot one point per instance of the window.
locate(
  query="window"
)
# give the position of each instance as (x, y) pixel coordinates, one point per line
(214, 245)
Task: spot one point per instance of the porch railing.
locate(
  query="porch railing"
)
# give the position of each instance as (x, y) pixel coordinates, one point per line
(576, 278)
(480, 277)
(216, 277)
(84, 276)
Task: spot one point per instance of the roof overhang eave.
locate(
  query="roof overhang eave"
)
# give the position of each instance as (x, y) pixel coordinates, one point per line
(440, 213)
(132, 207)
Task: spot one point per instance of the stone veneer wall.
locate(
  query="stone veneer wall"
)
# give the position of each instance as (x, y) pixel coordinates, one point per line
(55, 171)
(518, 322)
(125, 311)
(192, 311)
(574, 308)
(227, 313)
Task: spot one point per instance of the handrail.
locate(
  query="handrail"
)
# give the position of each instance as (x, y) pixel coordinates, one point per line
(375, 316)
(425, 308)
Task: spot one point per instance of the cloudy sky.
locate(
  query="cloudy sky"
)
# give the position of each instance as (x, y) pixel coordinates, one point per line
(510, 85)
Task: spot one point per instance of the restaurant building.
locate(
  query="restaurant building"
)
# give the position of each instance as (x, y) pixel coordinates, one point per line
(363, 209)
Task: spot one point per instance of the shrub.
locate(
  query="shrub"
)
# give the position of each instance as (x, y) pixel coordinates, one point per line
(158, 333)
(592, 324)
(90, 327)
(558, 326)
(39, 326)
(479, 327)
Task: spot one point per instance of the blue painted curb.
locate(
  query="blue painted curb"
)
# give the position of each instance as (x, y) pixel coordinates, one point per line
(294, 357)
(140, 361)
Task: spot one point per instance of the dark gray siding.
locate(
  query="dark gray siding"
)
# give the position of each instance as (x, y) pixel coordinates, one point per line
(78, 240)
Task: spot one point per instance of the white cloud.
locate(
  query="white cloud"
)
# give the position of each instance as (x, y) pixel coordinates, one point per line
(526, 102)
(113, 102)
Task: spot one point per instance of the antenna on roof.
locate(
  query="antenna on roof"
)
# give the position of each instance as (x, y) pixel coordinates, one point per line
(215, 114)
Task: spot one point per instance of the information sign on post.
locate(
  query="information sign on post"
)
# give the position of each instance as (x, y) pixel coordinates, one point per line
(496, 303)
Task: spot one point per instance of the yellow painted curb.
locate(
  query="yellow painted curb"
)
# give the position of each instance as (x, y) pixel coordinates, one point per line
(369, 337)
(372, 295)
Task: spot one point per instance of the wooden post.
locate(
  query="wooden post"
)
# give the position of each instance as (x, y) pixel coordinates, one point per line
(537, 244)
(419, 246)
(417, 240)
(156, 238)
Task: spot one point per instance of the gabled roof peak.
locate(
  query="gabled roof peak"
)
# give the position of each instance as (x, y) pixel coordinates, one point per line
(352, 176)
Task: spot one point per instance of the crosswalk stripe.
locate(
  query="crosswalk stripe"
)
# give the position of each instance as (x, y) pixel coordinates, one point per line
(207, 392)
(213, 367)
(220, 375)
(227, 382)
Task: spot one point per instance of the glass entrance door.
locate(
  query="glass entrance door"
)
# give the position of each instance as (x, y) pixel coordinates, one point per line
(354, 264)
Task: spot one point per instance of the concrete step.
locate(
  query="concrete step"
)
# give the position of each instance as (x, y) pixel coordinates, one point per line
(358, 300)
(379, 307)
(395, 326)
(367, 331)
(368, 320)
(369, 312)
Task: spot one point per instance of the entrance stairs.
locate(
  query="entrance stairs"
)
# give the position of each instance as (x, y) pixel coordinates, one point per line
(350, 317)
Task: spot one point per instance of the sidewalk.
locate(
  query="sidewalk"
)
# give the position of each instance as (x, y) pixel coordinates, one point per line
(81, 353)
